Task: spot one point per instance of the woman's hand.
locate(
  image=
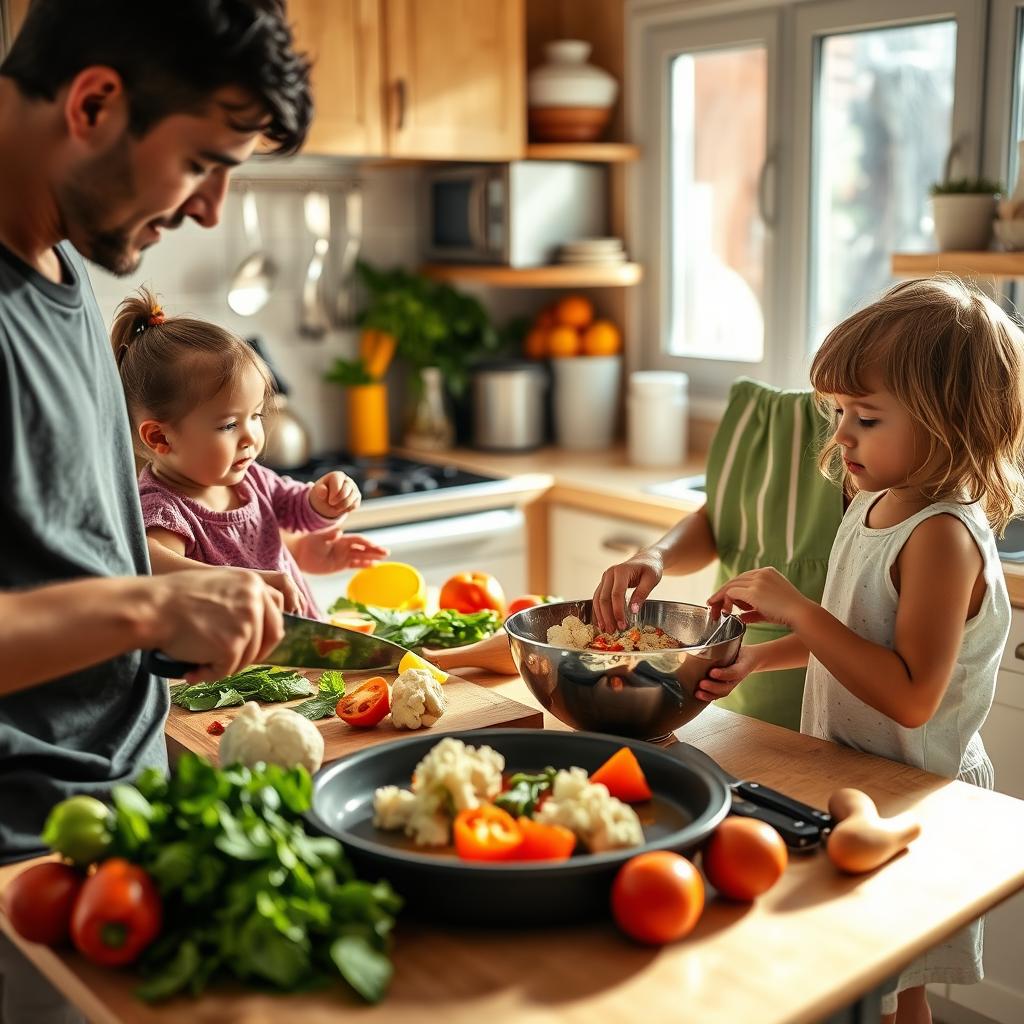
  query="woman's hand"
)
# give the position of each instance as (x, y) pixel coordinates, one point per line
(720, 682)
(332, 550)
(762, 595)
(334, 495)
(642, 572)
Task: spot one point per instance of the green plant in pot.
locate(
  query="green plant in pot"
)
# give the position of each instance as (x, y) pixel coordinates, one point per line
(963, 210)
(440, 332)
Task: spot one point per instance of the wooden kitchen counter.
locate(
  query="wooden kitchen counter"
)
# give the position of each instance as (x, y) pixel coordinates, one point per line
(814, 944)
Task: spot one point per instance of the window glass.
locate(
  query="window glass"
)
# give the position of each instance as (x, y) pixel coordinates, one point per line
(718, 133)
(882, 129)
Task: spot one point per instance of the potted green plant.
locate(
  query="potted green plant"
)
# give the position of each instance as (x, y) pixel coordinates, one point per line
(963, 210)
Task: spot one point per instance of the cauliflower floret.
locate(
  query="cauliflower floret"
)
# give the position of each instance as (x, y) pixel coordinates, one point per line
(279, 736)
(571, 632)
(416, 699)
(429, 826)
(465, 776)
(599, 820)
(393, 807)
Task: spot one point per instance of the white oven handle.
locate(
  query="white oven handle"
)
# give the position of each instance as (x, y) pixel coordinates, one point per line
(430, 534)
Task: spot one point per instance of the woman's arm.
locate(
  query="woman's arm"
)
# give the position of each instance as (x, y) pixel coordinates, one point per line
(938, 568)
(687, 547)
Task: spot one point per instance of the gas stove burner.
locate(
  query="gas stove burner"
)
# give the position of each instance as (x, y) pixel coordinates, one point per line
(387, 476)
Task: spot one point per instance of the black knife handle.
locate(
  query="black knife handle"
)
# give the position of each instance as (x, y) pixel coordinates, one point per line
(161, 664)
(798, 834)
(772, 798)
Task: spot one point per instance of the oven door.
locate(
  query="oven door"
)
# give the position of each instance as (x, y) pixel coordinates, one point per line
(466, 210)
(493, 541)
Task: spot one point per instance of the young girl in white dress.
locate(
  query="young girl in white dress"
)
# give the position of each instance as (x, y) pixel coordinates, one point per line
(925, 387)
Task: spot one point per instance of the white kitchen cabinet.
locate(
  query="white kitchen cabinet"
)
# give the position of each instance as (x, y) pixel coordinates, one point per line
(1000, 996)
(584, 544)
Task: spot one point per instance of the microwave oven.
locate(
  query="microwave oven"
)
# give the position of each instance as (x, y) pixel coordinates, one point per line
(516, 214)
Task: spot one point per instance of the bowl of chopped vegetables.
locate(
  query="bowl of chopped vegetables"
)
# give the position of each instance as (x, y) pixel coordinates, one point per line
(638, 682)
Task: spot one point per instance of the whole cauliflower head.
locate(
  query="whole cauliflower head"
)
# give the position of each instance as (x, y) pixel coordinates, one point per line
(599, 820)
(456, 774)
(279, 736)
(417, 699)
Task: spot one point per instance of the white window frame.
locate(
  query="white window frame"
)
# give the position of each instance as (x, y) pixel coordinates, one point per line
(791, 32)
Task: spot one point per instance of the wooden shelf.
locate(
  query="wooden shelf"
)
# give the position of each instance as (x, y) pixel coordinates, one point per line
(594, 152)
(559, 275)
(966, 264)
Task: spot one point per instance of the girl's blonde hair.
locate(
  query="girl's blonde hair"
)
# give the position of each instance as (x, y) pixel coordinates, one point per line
(953, 359)
(169, 365)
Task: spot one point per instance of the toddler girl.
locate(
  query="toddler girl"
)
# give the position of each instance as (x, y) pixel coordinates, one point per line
(196, 396)
(926, 394)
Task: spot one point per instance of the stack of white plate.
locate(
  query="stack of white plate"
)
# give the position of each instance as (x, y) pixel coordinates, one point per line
(592, 250)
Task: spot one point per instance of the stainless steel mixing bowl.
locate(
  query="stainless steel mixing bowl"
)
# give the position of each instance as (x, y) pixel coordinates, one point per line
(643, 694)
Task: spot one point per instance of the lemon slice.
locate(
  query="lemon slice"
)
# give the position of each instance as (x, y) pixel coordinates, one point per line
(410, 660)
(389, 585)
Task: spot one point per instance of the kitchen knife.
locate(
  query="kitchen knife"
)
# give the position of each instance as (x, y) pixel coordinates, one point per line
(801, 826)
(307, 643)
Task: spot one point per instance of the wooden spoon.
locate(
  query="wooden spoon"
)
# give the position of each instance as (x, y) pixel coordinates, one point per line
(492, 654)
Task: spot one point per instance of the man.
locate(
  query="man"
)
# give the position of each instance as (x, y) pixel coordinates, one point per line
(118, 119)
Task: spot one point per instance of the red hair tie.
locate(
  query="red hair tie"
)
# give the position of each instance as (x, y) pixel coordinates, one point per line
(156, 317)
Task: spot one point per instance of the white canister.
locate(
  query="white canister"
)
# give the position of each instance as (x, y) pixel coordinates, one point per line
(657, 415)
(586, 401)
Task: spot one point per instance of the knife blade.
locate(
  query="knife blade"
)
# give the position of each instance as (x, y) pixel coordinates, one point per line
(801, 826)
(307, 643)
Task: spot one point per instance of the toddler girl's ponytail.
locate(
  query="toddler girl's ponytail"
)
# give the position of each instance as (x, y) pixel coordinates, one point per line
(135, 314)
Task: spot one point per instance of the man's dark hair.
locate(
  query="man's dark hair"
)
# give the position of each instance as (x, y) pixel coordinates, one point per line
(172, 55)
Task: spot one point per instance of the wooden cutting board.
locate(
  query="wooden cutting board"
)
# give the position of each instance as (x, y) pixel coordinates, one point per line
(470, 706)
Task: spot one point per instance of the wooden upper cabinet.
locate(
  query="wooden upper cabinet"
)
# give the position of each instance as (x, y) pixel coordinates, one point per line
(344, 39)
(456, 72)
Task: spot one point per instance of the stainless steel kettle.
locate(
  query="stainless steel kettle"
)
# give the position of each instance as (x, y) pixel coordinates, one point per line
(510, 410)
(287, 438)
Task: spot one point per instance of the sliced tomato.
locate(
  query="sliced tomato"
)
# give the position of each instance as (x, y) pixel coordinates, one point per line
(624, 777)
(544, 842)
(366, 706)
(486, 833)
(327, 645)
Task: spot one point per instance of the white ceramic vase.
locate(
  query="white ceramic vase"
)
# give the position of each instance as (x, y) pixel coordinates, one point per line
(963, 221)
(565, 79)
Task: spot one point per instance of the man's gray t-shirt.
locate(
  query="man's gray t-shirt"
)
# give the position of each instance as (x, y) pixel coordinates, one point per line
(69, 509)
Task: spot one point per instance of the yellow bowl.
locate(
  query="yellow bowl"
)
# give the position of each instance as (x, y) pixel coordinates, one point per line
(389, 585)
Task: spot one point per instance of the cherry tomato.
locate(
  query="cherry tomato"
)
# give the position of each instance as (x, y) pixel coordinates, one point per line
(117, 915)
(657, 897)
(544, 842)
(39, 902)
(366, 706)
(486, 833)
(469, 592)
(526, 601)
(744, 858)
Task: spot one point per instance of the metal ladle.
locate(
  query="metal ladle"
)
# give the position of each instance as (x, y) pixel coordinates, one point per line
(252, 281)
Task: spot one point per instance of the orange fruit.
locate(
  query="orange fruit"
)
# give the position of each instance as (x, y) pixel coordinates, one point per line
(601, 338)
(744, 858)
(657, 897)
(563, 341)
(574, 311)
(535, 345)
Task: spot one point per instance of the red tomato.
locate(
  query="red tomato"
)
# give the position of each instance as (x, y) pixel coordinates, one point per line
(744, 858)
(469, 592)
(486, 833)
(544, 842)
(117, 915)
(40, 899)
(657, 897)
(526, 601)
(366, 706)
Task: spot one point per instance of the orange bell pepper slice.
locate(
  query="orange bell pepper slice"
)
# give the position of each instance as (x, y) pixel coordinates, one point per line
(486, 833)
(624, 777)
(544, 842)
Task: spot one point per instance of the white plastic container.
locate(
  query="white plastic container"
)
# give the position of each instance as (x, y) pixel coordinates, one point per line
(586, 401)
(657, 415)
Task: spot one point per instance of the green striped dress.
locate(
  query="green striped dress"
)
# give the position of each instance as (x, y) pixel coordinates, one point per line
(769, 505)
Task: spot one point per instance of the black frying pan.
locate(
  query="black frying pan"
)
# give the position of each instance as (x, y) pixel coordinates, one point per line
(689, 802)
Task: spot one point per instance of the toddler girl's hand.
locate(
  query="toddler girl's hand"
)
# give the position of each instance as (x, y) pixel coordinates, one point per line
(762, 595)
(720, 682)
(330, 550)
(334, 495)
(285, 586)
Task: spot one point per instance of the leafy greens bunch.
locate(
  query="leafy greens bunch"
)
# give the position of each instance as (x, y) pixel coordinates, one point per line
(260, 682)
(247, 892)
(445, 628)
